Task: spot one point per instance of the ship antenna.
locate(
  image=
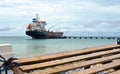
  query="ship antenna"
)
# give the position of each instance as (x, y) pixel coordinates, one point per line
(37, 17)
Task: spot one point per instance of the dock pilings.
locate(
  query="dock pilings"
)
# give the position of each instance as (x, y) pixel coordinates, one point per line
(85, 37)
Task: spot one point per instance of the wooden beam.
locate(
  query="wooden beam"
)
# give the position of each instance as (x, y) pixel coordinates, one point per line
(79, 64)
(72, 59)
(100, 68)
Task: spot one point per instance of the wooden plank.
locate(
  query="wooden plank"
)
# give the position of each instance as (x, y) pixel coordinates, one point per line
(65, 54)
(79, 64)
(67, 60)
(116, 72)
(100, 68)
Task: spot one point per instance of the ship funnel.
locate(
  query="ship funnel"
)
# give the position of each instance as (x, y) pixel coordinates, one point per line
(34, 20)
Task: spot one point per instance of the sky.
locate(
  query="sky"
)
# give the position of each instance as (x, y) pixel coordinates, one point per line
(73, 17)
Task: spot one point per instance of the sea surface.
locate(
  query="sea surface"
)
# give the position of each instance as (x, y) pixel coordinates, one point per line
(27, 47)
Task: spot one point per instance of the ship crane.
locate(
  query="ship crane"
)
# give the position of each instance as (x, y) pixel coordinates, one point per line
(51, 27)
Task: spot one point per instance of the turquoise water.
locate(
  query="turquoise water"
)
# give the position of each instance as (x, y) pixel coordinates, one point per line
(27, 47)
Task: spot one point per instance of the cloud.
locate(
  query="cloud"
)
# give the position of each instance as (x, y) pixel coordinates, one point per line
(103, 26)
(104, 23)
(6, 28)
(73, 15)
(106, 2)
(12, 31)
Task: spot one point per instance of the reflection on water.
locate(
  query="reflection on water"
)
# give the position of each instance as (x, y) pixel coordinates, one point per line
(36, 47)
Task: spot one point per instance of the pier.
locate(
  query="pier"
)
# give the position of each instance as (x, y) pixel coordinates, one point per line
(103, 59)
(91, 37)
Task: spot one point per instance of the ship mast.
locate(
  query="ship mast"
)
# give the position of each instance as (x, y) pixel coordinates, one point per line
(37, 17)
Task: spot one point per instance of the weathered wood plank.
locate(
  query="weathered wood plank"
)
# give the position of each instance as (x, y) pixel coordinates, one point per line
(100, 68)
(79, 64)
(65, 54)
(67, 60)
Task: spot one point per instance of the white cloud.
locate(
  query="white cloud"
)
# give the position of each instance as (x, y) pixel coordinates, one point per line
(84, 13)
(106, 2)
(5, 28)
(11, 28)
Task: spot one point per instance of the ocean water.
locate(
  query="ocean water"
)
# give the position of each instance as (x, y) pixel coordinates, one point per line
(27, 47)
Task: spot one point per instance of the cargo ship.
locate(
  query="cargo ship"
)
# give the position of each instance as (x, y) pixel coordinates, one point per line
(37, 30)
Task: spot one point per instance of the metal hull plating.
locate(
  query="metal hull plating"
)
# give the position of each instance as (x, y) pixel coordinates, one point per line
(44, 35)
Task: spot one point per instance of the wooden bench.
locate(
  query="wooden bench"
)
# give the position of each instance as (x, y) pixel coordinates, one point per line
(57, 63)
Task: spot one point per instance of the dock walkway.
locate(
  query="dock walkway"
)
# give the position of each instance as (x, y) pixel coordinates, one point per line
(104, 59)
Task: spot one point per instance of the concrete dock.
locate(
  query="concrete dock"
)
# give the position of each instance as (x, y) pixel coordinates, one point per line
(6, 51)
(97, 60)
